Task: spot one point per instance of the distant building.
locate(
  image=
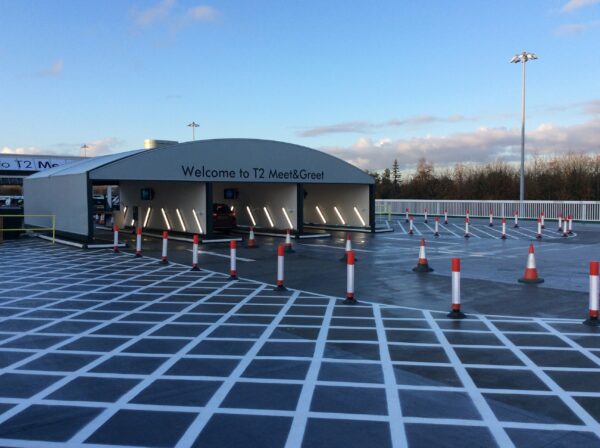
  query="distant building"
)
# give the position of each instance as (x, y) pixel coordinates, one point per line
(14, 167)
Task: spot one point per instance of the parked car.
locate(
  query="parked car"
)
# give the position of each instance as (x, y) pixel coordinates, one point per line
(223, 217)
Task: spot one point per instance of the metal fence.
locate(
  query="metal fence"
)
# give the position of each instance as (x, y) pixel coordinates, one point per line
(51, 228)
(581, 210)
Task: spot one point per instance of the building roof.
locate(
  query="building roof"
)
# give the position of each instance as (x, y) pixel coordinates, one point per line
(219, 160)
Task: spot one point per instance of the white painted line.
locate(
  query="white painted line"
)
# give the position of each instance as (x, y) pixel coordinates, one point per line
(483, 231)
(463, 229)
(475, 394)
(430, 228)
(508, 235)
(314, 236)
(60, 241)
(191, 434)
(402, 227)
(544, 235)
(391, 389)
(447, 228)
(336, 247)
(575, 407)
(216, 254)
(104, 246)
(298, 429)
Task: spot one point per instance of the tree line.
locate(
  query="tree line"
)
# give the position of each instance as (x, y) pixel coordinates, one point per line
(572, 176)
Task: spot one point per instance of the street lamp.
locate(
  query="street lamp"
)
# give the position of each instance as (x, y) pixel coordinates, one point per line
(523, 57)
(193, 125)
(85, 147)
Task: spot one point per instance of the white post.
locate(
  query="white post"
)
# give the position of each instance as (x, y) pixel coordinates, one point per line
(593, 317)
(165, 242)
(232, 258)
(196, 240)
(138, 242)
(116, 239)
(350, 279)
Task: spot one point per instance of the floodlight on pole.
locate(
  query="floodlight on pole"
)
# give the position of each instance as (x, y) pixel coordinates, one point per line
(193, 125)
(523, 57)
(85, 148)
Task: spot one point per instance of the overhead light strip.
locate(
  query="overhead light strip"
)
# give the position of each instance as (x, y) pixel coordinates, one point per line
(164, 214)
(197, 220)
(321, 214)
(337, 212)
(251, 216)
(180, 219)
(359, 217)
(287, 218)
(147, 217)
(268, 216)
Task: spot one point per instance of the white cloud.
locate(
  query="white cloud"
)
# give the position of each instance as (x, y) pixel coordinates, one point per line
(31, 150)
(156, 13)
(54, 70)
(367, 126)
(202, 13)
(592, 107)
(166, 14)
(107, 145)
(572, 29)
(572, 5)
(478, 146)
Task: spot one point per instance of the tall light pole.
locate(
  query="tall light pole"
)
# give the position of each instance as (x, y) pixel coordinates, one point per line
(85, 148)
(523, 57)
(193, 125)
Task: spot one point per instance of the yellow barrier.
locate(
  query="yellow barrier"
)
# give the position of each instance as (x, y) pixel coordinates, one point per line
(33, 229)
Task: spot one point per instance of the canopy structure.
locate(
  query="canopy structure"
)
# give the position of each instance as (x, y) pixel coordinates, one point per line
(268, 183)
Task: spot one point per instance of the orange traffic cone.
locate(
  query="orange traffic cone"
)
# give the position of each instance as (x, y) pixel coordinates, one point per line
(422, 265)
(251, 243)
(531, 273)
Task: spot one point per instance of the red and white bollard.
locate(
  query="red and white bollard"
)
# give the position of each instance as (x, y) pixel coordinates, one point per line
(516, 219)
(288, 242)
(570, 224)
(165, 244)
(138, 242)
(560, 222)
(503, 229)
(467, 214)
(491, 219)
(467, 228)
(410, 225)
(592, 320)
(445, 216)
(436, 227)
(280, 266)
(455, 312)
(195, 243)
(565, 228)
(542, 217)
(539, 229)
(347, 249)
(116, 239)
(350, 299)
(425, 220)
(407, 217)
(232, 260)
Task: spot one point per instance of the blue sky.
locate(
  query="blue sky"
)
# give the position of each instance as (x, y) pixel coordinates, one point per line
(366, 81)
